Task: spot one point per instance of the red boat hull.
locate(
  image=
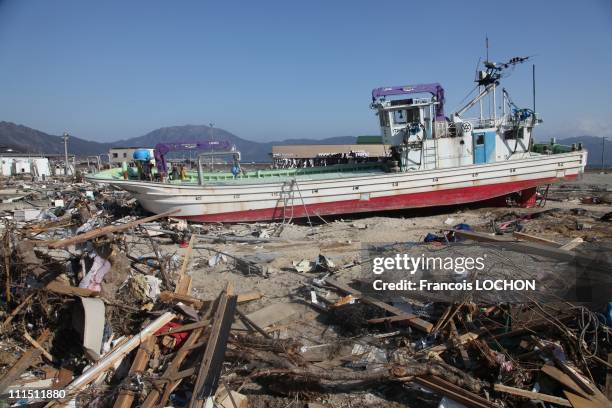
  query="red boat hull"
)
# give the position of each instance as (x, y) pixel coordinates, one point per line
(434, 198)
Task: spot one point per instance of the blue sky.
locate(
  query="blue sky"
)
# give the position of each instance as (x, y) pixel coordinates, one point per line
(271, 70)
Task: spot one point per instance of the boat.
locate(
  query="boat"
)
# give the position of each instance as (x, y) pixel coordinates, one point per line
(433, 160)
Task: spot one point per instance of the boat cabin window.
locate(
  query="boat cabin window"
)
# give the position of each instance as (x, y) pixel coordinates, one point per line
(404, 116)
(480, 139)
(399, 117)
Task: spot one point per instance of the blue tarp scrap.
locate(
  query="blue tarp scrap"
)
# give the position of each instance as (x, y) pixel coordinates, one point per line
(449, 236)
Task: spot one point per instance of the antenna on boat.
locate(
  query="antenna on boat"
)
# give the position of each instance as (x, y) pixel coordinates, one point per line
(533, 86)
(487, 45)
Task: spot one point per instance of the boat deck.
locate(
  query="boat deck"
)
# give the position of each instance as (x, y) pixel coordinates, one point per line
(258, 176)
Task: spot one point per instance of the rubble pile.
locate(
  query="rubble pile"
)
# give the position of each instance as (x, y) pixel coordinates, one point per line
(109, 306)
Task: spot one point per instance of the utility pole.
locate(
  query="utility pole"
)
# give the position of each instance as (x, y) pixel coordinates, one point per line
(65, 137)
(212, 148)
(603, 147)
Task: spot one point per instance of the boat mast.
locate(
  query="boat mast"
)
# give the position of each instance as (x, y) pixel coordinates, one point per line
(488, 79)
(494, 86)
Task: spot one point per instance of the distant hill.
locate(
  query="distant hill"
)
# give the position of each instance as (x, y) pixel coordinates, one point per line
(22, 139)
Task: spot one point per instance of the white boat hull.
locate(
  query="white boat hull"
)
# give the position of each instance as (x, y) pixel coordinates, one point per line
(232, 202)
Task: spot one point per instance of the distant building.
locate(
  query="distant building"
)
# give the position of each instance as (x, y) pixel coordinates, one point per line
(315, 151)
(15, 164)
(288, 156)
(118, 155)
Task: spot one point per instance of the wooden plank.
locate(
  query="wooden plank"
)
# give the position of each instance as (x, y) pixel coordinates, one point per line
(39, 346)
(98, 232)
(249, 296)
(448, 312)
(582, 382)
(167, 296)
(63, 289)
(183, 287)
(64, 377)
(415, 321)
(23, 363)
(457, 342)
(171, 370)
(572, 244)
(531, 395)
(533, 238)
(524, 247)
(591, 389)
(563, 379)
(126, 397)
(214, 354)
(107, 361)
(454, 392)
(269, 315)
(577, 401)
(391, 319)
(18, 309)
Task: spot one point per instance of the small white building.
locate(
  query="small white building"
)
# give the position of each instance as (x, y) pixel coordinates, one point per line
(118, 155)
(15, 165)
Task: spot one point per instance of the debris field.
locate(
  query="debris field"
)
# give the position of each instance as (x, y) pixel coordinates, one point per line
(111, 306)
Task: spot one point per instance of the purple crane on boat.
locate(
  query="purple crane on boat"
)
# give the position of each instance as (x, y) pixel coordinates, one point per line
(161, 149)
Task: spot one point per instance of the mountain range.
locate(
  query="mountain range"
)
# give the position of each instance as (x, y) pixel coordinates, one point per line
(22, 139)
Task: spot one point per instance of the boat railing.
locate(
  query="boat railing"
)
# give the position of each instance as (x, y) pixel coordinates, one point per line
(233, 153)
(485, 123)
(450, 129)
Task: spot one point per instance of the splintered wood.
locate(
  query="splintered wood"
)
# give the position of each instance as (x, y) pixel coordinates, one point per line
(109, 229)
(214, 354)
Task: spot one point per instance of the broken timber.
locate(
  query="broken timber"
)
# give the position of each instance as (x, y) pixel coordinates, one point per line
(524, 247)
(454, 392)
(98, 232)
(411, 319)
(171, 370)
(210, 368)
(126, 397)
(167, 296)
(113, 356)
(23, 363)
(531, 395)
(183, 287)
